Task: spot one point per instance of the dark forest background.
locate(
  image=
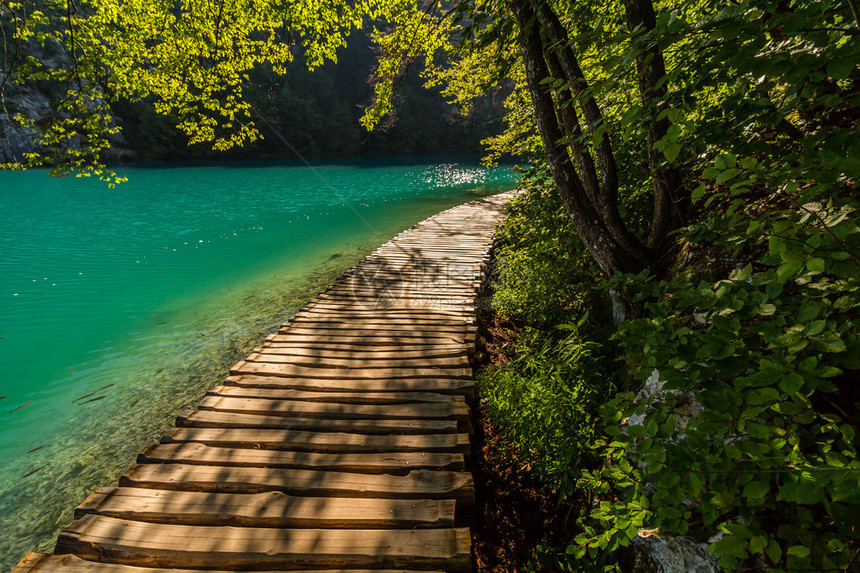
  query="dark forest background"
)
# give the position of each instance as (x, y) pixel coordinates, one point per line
(317, 112)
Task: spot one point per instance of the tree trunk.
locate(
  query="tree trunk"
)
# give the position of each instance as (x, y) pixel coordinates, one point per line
(669, 193)
(606, 199)
(604, 248)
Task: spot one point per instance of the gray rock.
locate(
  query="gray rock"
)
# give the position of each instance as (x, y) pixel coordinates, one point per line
(35, 101)
(654, 554)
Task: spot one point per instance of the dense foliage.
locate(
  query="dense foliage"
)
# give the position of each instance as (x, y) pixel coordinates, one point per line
(746, 435)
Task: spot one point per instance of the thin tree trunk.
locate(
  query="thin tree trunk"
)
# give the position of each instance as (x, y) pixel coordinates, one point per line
(573, 133)
(608, 253)
(606, 200)
(669, 193)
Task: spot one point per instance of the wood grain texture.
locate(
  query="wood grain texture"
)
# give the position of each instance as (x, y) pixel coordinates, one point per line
(67, 563)
(337, 397)
(270, 509)
(417, 484)
(300, 440)
(368, 462)
(159, 545)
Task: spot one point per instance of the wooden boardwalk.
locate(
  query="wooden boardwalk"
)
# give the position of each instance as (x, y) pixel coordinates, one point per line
(340, 445)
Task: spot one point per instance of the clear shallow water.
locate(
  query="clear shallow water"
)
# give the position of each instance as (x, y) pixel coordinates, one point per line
(119, 308)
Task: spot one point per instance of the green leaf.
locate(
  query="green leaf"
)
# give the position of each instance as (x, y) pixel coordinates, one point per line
(773, 289)
(757, 543)
(759, 396)
(767, 309)
(791, 383)
(743, 274)
(671, 151)
(726, 175)
(756, 489)
(799, 551)
(815, 265)
(787, 270)
(833, 345)
(774, 551)
(840, 68)
(815, 327)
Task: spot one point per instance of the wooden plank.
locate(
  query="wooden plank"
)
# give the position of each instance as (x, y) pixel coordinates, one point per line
(412, 271)
(73, 564)
(441, 385)
(272, 356)
(376, 301)
(417, 314)
(393, 462)
(397, 284)
(401, 298)
(417, 269)
(370, 339)
(367, 353)
(339, 397)
(328, 309)
(193, 546)
(402, 292)
(348, 304)
(418, 484)
(334, 410)
(292, 371)
(269, 509)
(359, 328)
(353, 318)
(210, 419)
(291, 341)
(299, 440)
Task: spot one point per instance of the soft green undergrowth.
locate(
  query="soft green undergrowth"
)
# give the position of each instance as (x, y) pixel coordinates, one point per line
(757, 323)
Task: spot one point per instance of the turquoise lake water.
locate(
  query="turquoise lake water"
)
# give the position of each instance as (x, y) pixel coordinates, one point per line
(120, 307)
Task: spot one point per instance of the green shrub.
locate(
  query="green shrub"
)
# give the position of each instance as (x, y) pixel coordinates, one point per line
(772, 353)
(541, 262)
(544, 400)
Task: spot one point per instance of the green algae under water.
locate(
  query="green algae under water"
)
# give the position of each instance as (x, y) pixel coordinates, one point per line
(119, 308)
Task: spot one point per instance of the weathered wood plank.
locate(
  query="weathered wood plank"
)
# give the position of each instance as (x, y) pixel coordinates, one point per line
(335, 410)
(212, 419)
(292, 341)
(354, 328)
(403, 292)
(269, 509)
(330, 309)
(436, 301)
(68, 563)
(339, 397)
(334, 442)
(393, 462)
(351, 319)
(272, 356)
(293, 371)
(193, 546)
(418, 484)
(370, 339)
(366, 353)
(441, 385)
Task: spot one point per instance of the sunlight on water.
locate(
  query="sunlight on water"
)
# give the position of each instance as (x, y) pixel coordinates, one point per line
(119, 308)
